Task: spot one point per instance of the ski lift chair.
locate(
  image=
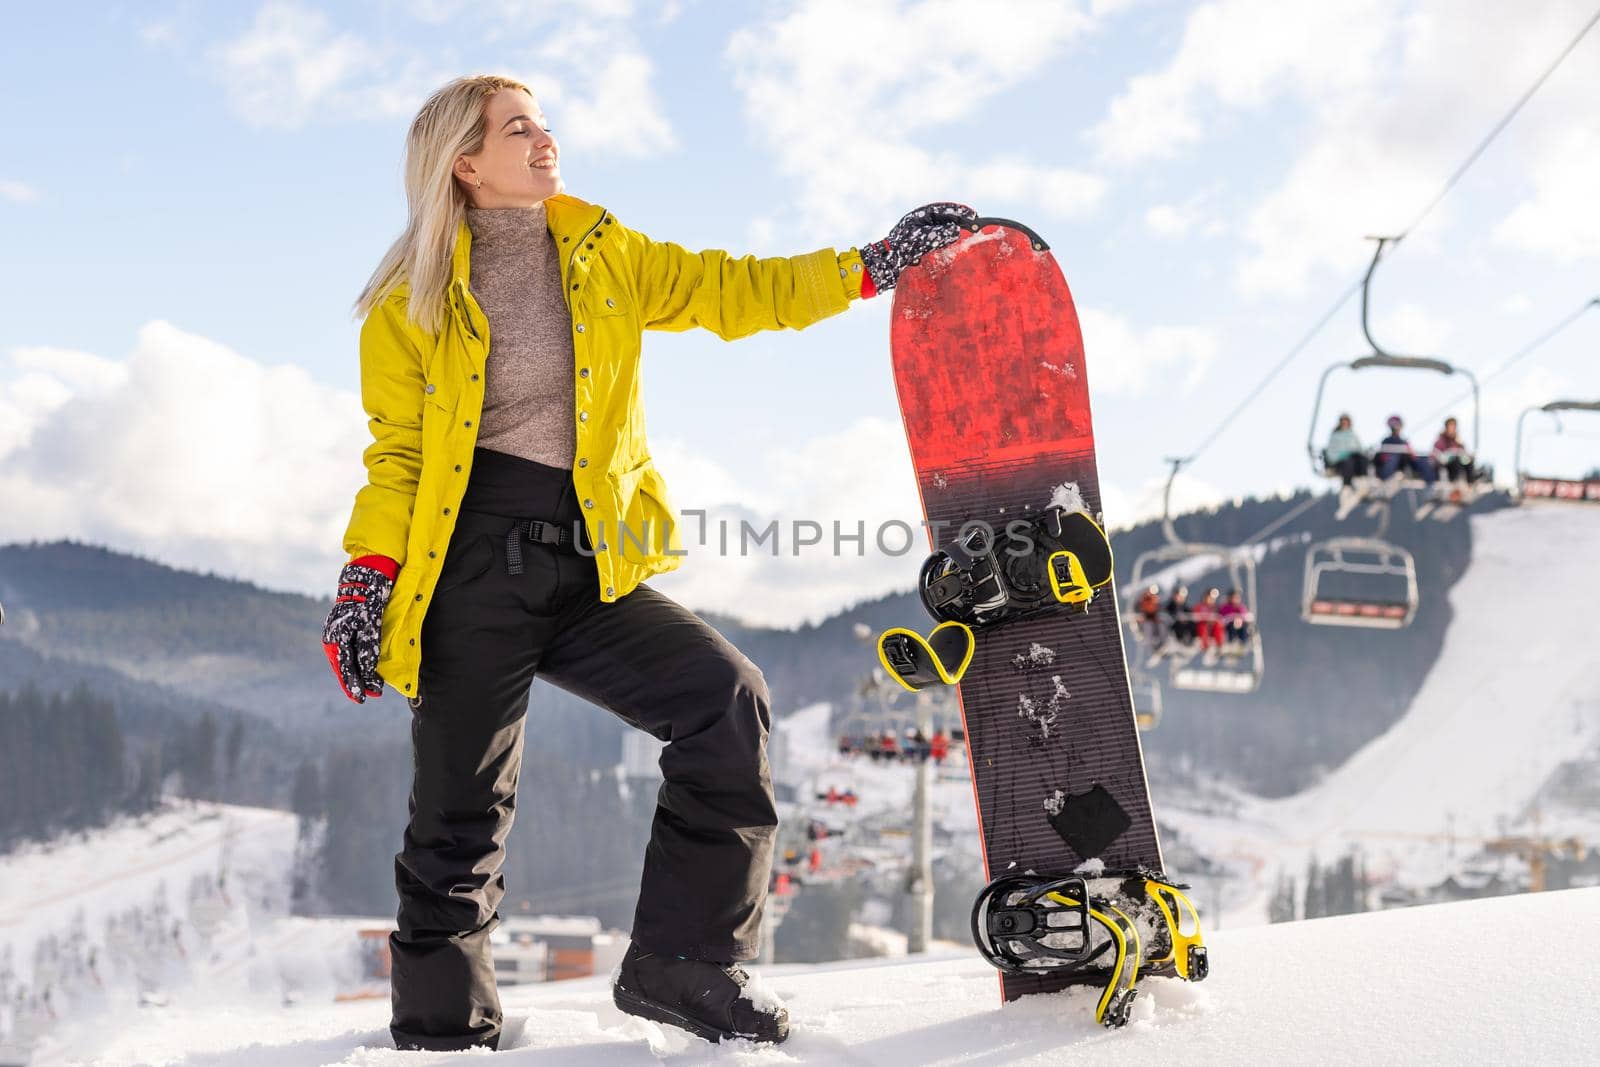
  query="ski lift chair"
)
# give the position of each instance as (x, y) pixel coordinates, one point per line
(1379, 357)
(1146, 702)
(1228, 674)
(1385, 574)
(1565, 490)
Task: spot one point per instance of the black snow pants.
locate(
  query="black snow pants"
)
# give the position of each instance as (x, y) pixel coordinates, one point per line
(646, 659)
(1352, 466)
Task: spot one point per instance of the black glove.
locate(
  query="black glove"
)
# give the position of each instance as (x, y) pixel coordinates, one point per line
(350, 636)
(929, 227)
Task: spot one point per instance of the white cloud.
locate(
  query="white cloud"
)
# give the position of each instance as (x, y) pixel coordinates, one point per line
(292, 66)
(840, 91)
(1168, 220)
(618, 110)
(1411, 330)
(1238, 53)
(1391, 99)
(1125, 508)
(185, 451)
(1561, 218)
(822, 481)
(18, 192)
(1128, 360)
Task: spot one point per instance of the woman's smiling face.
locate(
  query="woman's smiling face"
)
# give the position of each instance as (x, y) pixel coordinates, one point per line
(519, 163)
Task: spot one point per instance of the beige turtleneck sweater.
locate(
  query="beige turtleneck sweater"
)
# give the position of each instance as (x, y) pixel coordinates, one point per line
(528, 391)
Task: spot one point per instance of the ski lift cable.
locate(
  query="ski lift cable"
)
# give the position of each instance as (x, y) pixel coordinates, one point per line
(1282, 520)
(1444, 190)
(1520, 354)
(1503, 123)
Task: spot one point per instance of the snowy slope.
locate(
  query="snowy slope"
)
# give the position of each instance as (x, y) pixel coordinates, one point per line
(1512, 696)
(1456, 983)
(140, 863)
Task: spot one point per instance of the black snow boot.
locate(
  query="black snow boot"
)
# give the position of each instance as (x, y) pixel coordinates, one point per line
(706, 999)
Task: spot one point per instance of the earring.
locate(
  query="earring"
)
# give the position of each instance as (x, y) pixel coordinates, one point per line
(479, 184)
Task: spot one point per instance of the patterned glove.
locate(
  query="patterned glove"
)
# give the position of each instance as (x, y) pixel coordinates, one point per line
(914, 236)
(350, 636)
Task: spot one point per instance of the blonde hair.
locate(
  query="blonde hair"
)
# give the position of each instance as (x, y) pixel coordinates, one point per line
(450, 124)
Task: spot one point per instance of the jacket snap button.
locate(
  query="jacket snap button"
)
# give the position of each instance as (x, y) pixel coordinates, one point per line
(589, 244)
(583, 416)
(588, 503)
(474, 377)
(610, 303)
(564, 240)
(413, 640)
(584, 373)
(583, 462)
(580, 327)
(609, 591)
(430, 387)
(467, 423)
(419, 596)
(432, 554)
(458, 467)
(447, 511)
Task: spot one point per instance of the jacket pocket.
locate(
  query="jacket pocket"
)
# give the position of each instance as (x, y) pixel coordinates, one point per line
(644, 513)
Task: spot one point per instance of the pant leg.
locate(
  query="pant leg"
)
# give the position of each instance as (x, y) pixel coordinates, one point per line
(479, 651)
(663, 669)
(1348, 467)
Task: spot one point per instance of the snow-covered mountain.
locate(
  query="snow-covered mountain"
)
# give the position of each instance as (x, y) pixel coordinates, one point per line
(1511, 698)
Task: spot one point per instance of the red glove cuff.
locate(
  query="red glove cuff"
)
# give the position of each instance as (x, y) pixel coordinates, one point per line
(382, 564)
(868, 290)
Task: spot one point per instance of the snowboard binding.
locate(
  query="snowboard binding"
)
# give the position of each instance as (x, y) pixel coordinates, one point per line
(1053, 561)
(917, 662)
(1109, 927)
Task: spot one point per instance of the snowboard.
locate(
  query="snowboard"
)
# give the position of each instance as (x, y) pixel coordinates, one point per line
(993, 386)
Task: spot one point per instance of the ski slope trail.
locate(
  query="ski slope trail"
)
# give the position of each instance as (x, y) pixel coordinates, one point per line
(1460, 983)
(1511, 697)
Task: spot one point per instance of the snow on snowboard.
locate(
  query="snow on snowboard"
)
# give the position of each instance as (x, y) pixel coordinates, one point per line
(992, 381)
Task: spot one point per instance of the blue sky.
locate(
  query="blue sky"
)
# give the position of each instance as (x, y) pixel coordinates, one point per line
(192, 194)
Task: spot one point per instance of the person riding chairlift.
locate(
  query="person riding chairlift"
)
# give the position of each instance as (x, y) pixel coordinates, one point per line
(1149, 611)
(1395, 454)
(1207, 624)
(1344, 453)
(1452, 456)
(1236, 618)
(1178, 614)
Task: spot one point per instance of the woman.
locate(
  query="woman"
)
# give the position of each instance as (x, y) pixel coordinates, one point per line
(1207, 623)
(511, 513)
(1344, 453)
(1236, 617)
(1451, 455)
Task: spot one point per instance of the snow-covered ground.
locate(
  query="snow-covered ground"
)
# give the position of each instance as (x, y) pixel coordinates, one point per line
(149, 862)
(1511, 697)
(1480, 982)
(94, 924)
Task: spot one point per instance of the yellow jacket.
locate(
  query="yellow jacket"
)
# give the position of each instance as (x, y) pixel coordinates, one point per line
(424, 396)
